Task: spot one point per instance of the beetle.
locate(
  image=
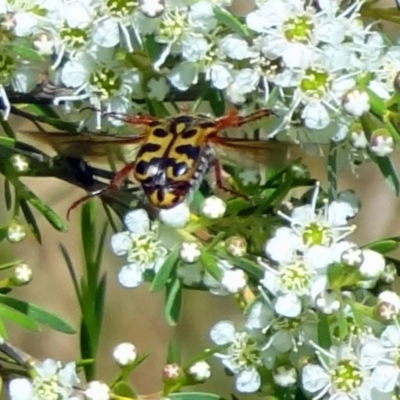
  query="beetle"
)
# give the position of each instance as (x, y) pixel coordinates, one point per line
(174, 153)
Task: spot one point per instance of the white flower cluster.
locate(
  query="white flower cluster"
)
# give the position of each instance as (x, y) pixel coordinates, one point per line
(298, 289)
(141, 247)
(313, 61)
(51, 381)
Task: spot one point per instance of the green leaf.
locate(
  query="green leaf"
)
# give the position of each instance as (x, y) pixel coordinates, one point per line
(210, 265)
(173, 354)
(343, 325)
(71, 271)
(8, 130)
(17, 317)
(37, 314)
(165, 272)
(7, 194)
(173, 303)
(252, 268)
(27, 53)
(124, 389)
(3, 233)
(9, 265)
(385, 245)
(389, 172)
(30, 219)
(324, 332)
(217, 101)
(88, 236)
(341, 275)
(3, 331)
(24, 193)
(194, 396)
(231, 21)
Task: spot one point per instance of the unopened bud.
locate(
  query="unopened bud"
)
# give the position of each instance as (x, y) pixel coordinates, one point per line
(19, 163)
(356, 102)
(172, 373)
(213, 207)
(22, 274)
(152, 8)
(381, 143)
(124, 354)
(236, 246)
(16, 232)
(200, 371)
(190, 252)
(285, 376)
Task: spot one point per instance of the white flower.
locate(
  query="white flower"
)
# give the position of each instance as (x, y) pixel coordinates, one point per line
(288, 30)
(386, 68)
(140, 246)
(386, 375)
(213, 207)
(341, 375)
(52, 380)
(285, 333)
(111, 28)
(235, 47)
(95, 76)
(289, 283)
(242, 357)
(190, 251)
(124, 354)
(310, 227)
(97, 390)
(200, 371)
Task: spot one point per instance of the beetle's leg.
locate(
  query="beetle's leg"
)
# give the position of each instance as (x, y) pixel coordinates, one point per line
(132, 119)
(115, 183)
(216, 165)
(234, 120)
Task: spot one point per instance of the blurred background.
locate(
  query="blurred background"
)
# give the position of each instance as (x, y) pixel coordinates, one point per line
(136, 315)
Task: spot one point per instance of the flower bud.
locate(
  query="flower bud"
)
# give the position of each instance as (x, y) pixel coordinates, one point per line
(285, 376)
(200, 371)
(16, 232)
(172, 373)
(356, 102)
(97, 390)
(152, 8)
(124, 354)
(388, 305)
(190, 252)
(22, 274)
(177, 216)
(353, 257)
(381, 143)
(327, 302)
(358, 138)
(236, 246)
(213, 207)
(19, 163)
